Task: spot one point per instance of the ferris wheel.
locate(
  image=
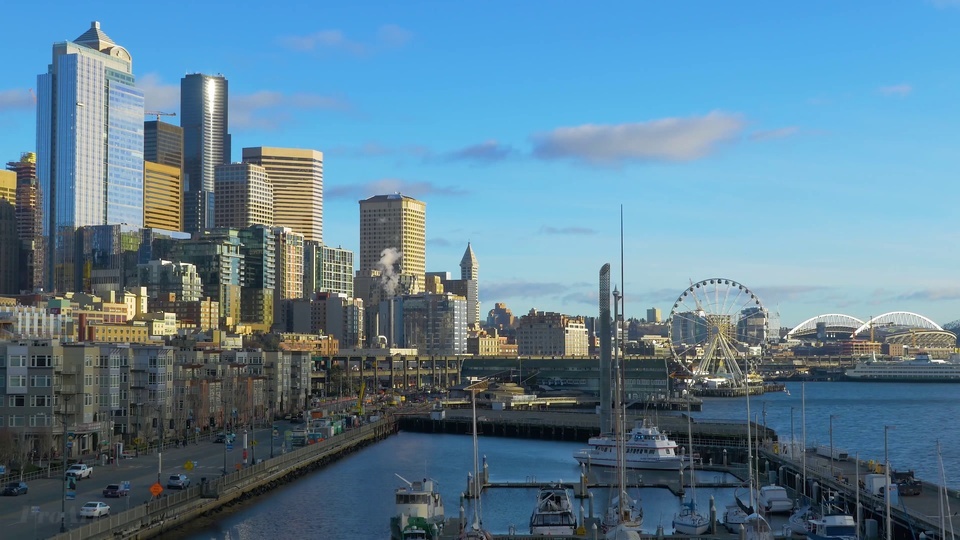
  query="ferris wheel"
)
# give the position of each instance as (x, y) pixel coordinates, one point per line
(716, 321)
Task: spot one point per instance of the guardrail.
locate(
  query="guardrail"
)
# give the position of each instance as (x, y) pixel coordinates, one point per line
(157, 511)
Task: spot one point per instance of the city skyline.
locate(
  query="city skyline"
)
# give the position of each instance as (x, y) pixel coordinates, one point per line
(803, 151)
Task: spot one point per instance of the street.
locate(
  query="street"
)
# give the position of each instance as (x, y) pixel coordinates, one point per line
(204, 459)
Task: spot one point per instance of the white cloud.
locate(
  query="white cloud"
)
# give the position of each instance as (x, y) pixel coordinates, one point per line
(899, 90)
(666, 139)
(16, 99)
(268, 109)
(159, 96)
(416, 189)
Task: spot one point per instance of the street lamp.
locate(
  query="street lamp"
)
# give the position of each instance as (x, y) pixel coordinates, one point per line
(886, 490)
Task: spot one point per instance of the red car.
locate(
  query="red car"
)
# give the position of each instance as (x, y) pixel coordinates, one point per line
(115, 490)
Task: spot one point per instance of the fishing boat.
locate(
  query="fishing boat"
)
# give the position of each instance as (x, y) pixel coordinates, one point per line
(553, 514)
(689, 520)
(645, 447)
(419, 513)
(833, 527)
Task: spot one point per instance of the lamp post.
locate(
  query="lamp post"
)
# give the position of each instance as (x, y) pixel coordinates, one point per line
(886, 489)
(793, 444)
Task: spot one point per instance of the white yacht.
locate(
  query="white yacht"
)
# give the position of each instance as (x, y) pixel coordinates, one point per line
(918, 369)
(645, 448)
(833, 527)
(553, 514)
(774, 500)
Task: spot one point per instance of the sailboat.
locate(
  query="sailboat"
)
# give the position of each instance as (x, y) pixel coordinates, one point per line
(689, 520)
(624, 515)
(475, 530)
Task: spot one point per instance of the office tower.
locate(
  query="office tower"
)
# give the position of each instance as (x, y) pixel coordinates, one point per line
(244, 196)
(654, 315)
(297, 179)
(9, 242)
(434, 324)
(289, 272)
(108, 257)
(206, 144)
(162, 197)
(163, 143)
(393, 238)
(259, 275)
(29, 223)
(162, 176)
(469, 274)
(89, 145)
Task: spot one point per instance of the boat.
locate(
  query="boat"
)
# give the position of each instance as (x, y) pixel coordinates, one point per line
(419, 511)
(833, 527)
(689, 520)
(921, 368)
(774, 499)
(553, 514)
(645, 447)
(475, 530)
(800, 521)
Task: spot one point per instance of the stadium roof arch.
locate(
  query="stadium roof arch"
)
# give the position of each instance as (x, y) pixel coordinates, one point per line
(899, 319)
(835, 322)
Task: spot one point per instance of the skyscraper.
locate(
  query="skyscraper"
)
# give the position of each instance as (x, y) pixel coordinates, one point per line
(297, 179)
(9, 242)
(244, 196)
(163, 143)
(469, 274)
(206, 144)
(32, 265)
(162, 176)
(393, 240)
(89, 145)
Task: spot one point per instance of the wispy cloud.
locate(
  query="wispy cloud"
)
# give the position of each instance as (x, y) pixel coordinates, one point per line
(439, 242)
(774, 294)
(945, 3)
(666, 139)
(387, 36)
(932, 295)
(494, 292)
(268, 109)
(546, 229)
(896, 90)
(390, 185)
(18, 99)
(485, 152)
(159, 96)
(770, 134)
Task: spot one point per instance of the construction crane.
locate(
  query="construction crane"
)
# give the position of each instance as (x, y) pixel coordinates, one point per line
(158, 114)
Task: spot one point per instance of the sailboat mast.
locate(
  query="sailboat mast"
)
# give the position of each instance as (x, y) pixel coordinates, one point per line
(749, 453)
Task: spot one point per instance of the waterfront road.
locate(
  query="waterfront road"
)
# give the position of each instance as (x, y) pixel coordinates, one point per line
(19, 520)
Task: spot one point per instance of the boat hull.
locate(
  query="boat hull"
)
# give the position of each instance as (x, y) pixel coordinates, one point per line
(592, 459)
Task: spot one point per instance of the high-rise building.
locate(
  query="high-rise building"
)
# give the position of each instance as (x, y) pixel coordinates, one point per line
(216, 254)
(29, 223)
(244, 196)
(162, 176)
(470, 274)
(89, 144)
(297, 179)
(393, 240)
(654, 315)
(327, 269)
(259, 275)
(162, 197)
(9, 241)
(206, 144)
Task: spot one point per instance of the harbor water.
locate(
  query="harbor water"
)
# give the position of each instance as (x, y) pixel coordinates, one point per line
(353, 498)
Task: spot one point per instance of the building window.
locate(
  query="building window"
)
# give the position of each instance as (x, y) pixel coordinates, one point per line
(87, 399)
(18, 401)
(17, 381)
(39, 360)
(16, 420)
(18, 361)
(41, 401)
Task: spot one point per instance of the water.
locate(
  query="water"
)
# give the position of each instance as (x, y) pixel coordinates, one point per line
(353, 498)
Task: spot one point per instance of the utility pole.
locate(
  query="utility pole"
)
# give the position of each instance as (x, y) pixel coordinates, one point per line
(160, 427)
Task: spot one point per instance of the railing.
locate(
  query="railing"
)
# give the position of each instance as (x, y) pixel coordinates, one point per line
(154, 512)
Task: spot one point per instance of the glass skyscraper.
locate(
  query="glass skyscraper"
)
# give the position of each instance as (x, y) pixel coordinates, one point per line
(89, 146)
(206, 144)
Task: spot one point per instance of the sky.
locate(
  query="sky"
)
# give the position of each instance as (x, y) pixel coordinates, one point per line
(807, 150)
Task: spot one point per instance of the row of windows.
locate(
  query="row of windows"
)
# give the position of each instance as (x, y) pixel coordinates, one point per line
(36, 420)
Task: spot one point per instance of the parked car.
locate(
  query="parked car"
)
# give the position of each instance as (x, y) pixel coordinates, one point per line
(115, 490)
(178, 481)
(15, 488)
(225, 437)
(94, 509)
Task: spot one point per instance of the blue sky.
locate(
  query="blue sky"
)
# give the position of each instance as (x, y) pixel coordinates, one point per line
(807, 150)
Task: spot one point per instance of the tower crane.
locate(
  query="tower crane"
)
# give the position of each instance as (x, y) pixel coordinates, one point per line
(158, 114)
